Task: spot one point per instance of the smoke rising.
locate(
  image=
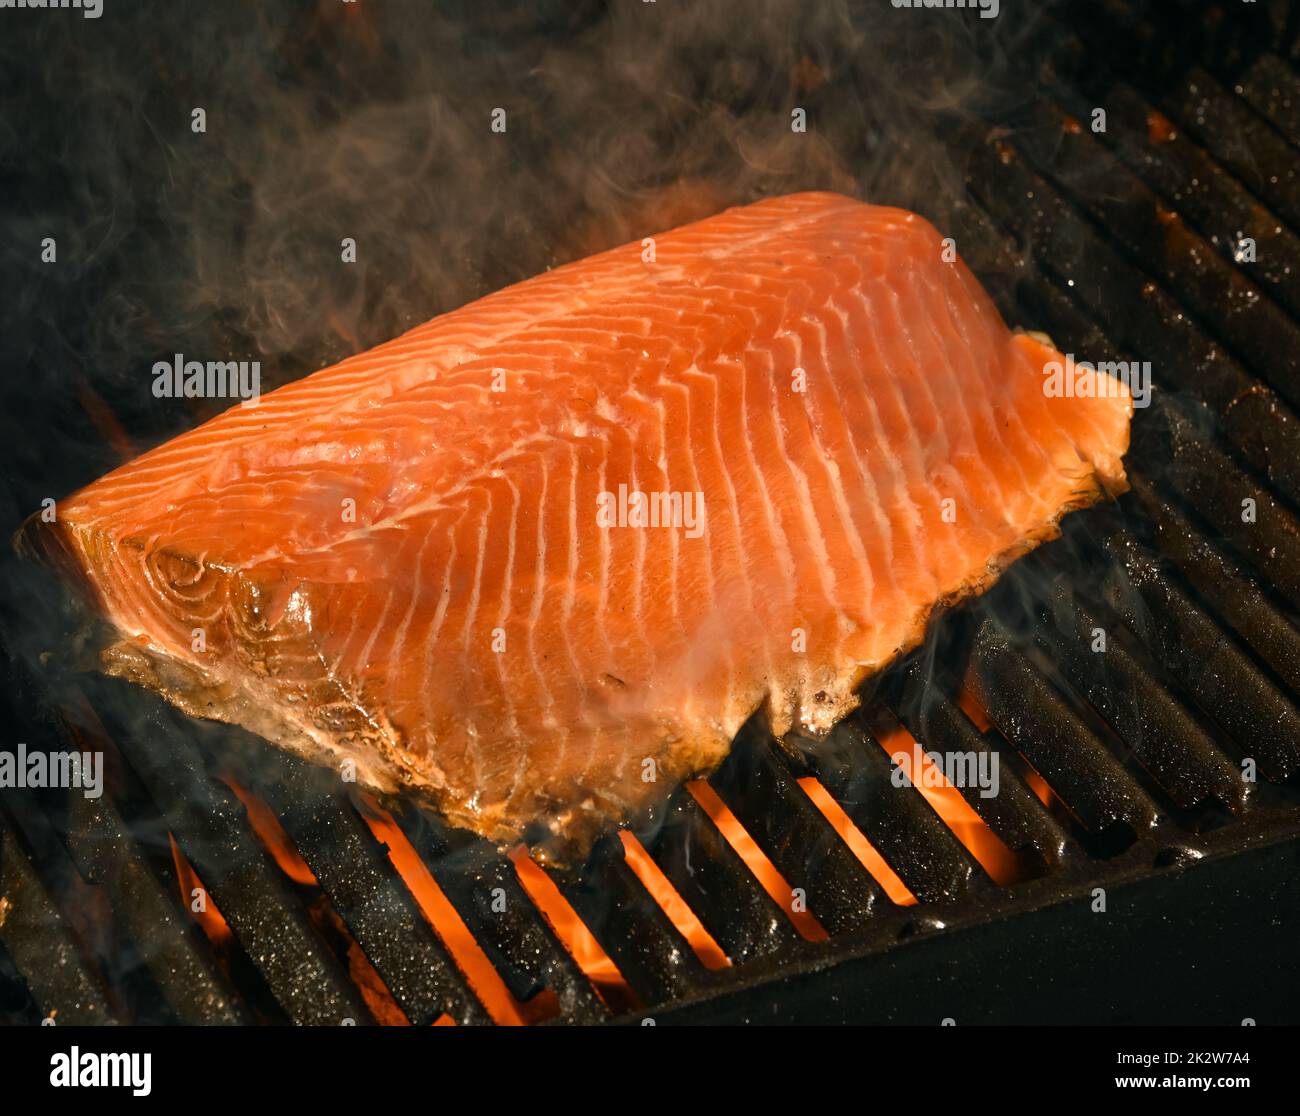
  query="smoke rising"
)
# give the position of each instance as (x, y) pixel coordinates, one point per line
(325, 120)
(202, 171)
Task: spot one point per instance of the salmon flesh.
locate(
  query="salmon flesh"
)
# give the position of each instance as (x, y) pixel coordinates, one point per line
(540, 558)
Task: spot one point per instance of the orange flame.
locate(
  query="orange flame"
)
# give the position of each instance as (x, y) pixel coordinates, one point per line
(867, 854)
(1039, 786)
(1002, 865)
(1159, 128)
(573, 933)
(267, 829)
(737, 836)
(438, 911)
(210, 920)
(671, 903)
(969, 704)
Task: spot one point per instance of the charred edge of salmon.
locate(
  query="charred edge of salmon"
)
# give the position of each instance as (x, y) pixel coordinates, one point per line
(208, 697)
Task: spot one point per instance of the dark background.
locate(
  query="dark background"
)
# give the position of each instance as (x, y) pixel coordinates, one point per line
(328, 120)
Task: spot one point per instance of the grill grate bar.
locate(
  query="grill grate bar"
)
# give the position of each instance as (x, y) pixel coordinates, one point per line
(762, 792)
(1190, 95)
(1184, 458)
(1060, 217)
(1222, 681)
(175, 951)
(145, 915)
(1015, 814)
(1139, 313)
(209, 826)
(1135, 308)
(362, 887)
(484, 888)
(1264, 550)
(716, 884)
(1078, 767)
(1198, 475)
(1192, 184)
(658, 962)
(110, 954)
(1158, 730)
(1186, 264)
(901, 826)
(1272, 89)
(1225, 585)
(1246, 145)
(36, 936)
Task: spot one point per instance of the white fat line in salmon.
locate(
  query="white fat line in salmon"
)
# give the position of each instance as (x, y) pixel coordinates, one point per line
(82, 771)
(634, 508)
(1075, 379)
(91, 9)
(988, 9)
(960, 769)
(217, 379)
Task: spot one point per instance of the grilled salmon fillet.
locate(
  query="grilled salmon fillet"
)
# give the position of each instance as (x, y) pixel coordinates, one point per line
(541, 557)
